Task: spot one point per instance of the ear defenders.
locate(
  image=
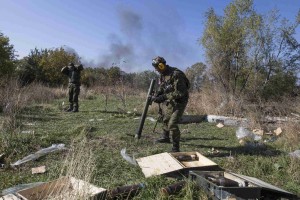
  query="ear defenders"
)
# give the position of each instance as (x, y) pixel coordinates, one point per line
(159, 63)
(161, 66)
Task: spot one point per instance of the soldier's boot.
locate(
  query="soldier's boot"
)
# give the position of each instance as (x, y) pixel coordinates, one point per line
(75, 109)
(176, 140)
(70, 109)
(165, 137)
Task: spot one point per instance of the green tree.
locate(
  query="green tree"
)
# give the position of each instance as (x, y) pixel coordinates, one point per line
(225, 40)
(44, 66)
(7, 56)
(52, 61)
(28, 68)
(276, 56)
(114, 74)
(245, 49)
(94, 76)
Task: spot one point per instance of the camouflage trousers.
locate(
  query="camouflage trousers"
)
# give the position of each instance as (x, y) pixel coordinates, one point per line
(171, 119)
(74, 91)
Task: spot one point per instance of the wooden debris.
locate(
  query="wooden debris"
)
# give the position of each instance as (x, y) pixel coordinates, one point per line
(38, 170)
(10, 197)
(165, 163)
(242, 142)
(278, 131)
(258, 132)
(220, 125)
(63, 188)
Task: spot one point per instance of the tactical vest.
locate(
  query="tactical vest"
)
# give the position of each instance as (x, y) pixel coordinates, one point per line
(168, 83)
(74, 76)
(168, 80)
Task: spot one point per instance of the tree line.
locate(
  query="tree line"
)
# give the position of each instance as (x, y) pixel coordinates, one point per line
(247, 53)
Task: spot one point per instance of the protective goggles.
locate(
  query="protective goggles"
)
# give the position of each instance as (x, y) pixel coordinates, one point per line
(155, 63)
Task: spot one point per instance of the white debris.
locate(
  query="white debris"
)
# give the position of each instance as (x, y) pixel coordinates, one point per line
(151, 119)
(42, 152)
(29, 124)
(295, 154)
(129, 159)
(230, 121)
(220, 125)
(241, 132)
(27, 132)
(38, 170)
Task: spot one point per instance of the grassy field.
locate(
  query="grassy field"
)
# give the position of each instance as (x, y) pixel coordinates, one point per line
(95, 136)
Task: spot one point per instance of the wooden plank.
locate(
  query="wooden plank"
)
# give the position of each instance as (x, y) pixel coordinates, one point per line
(158, 164)
(45, 190)
(83, 186)
(38, 170)
(163, 163)
(64, 187)
(9, 197)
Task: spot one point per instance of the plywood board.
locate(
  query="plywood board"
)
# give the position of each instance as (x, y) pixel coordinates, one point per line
(64, 188)
(9, 197)
(164, 163)
(158, 164)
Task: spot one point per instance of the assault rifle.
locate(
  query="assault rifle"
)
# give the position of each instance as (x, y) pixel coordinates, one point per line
(144, 115)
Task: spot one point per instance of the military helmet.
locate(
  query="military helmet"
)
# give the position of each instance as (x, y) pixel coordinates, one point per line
(159, 63)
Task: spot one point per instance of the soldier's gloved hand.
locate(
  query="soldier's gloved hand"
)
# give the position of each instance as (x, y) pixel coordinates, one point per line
(159, 99)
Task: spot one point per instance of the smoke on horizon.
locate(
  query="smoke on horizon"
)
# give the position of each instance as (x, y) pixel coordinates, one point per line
(140, 39)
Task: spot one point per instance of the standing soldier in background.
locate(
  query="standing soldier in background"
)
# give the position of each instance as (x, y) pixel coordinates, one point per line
(173, 90)
(73, 72)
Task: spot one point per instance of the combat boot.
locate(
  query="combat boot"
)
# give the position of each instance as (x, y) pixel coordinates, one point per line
(70, 109)
(176, 139)
(75, 109)
(165, 137)
(175, 149)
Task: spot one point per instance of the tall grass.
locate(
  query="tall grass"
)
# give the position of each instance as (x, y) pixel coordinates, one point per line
(80, 164)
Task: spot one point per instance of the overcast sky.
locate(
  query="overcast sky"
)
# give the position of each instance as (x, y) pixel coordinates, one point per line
(126, 32)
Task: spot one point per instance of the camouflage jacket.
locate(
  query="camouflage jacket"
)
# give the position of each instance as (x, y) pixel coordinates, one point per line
(73, 73)
(174, 85)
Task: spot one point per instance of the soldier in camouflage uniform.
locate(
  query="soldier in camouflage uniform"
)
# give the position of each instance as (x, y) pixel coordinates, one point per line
(73, 72)
(173, 90)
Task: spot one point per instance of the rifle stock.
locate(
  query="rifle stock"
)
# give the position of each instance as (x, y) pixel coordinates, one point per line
(144, 115)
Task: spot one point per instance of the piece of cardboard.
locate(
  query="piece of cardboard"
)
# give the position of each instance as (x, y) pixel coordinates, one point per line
(166, 163)
(63, 188)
